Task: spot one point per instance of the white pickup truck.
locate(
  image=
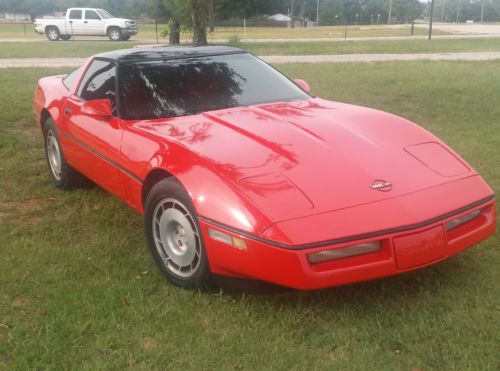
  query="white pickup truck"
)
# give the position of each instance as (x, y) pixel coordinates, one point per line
(86, 22)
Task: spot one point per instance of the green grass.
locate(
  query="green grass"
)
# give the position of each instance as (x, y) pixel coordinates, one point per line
(78, 288)
(374, 46)
(41, 49)
(88, 48)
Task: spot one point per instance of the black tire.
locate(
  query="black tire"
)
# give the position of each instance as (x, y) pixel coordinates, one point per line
(167, 201)
(114, 33)
(125, 37)
(52, 33)
(65, 37)
(64, 177)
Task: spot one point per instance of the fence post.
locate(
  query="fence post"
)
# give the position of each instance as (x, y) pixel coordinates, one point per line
(156, 30)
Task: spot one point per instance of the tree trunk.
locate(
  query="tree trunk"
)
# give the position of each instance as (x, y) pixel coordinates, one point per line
(211, 26)
(199, 12)
(174, 31)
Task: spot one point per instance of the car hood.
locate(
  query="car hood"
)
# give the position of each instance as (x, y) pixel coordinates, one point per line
(120, 20)
(295, 159)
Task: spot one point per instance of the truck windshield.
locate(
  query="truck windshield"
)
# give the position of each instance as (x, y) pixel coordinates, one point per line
(104, 14)
(160, 89)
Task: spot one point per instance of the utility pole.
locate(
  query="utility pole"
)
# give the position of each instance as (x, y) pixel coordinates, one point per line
(442, 10)
(430, 19)
(390, 11)
(412, 16)
(482, 11)
(317, 13)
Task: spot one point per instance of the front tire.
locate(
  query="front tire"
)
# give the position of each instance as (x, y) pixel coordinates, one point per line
(63, 175)
(52, 33)
(174, 235)
(114, 33)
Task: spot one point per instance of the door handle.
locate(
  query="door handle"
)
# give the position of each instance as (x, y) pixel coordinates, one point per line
(68, 111)
(70, 21)
(85, 22)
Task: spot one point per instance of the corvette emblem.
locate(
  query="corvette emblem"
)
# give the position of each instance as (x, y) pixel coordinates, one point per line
(381, 185)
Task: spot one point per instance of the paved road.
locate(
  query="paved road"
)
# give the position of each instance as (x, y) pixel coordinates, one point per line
(340, 58)
(466, 28)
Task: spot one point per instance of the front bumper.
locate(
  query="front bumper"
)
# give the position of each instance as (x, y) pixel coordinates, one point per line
(129, 31)
(401, 250)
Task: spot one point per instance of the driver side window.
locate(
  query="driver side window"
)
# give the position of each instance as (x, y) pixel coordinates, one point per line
(90, 14)
(99, 83)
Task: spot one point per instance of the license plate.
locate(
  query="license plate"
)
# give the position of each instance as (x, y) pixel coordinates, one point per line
(420, 248)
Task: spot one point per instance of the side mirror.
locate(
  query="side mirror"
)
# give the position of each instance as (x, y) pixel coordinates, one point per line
(98, 107)
(302, 84)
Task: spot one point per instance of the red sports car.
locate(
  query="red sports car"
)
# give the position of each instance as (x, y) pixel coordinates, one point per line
(239, 171)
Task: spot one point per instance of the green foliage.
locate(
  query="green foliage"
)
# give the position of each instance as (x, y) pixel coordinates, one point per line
(463, 10)
(123, 8)
(331, 11)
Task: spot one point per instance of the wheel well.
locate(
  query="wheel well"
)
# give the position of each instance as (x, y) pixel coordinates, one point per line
(153, 177)
(113, 26)
(44, 116)
(51, 26)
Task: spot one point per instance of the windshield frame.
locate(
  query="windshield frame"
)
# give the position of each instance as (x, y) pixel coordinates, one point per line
(122, 114)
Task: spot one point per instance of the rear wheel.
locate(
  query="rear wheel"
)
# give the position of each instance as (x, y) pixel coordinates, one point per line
(114, 33)
(63, 175)
(174, 235)
(52, 33)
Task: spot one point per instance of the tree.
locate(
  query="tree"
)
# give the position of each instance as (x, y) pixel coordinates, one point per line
(174, 12)
(199, 14)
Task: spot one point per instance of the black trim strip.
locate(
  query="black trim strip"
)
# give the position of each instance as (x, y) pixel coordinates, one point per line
(351, 238)
(108, 160)
(133, 59)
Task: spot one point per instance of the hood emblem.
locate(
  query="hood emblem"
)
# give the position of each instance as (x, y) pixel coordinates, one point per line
(381, 185)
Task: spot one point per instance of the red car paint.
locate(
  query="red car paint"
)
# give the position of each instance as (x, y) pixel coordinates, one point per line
(290, 179)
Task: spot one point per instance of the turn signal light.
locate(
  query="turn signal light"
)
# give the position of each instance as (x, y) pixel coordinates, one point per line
(227, 239)
(463, 219)
(343, 252)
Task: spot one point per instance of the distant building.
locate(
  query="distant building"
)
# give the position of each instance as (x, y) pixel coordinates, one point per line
(279, 18)
(15, 17)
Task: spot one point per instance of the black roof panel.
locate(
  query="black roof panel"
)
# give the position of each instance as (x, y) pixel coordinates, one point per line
(161, 52)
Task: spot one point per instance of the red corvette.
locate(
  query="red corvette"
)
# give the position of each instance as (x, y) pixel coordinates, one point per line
(240, 172)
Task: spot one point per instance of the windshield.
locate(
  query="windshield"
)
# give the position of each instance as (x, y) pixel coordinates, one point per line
(158, 89)
(104, 14)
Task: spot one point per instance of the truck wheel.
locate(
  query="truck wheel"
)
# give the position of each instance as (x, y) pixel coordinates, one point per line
(52, 33)
(65, 37)
(114, 33)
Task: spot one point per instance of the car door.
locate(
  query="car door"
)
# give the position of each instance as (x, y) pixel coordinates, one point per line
(93, 23)
(93, 142)
(75, 23)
